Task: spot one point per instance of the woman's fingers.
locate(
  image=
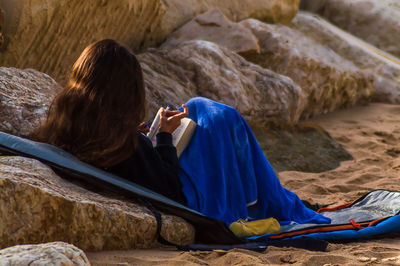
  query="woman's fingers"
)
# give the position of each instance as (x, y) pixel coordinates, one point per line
(170, 120)
(169, 113)
(185, 109)
(143, 128)
(179, 115)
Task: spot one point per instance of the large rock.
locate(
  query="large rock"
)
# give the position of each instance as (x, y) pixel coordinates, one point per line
(328, 80)
(38, 206)
(215, 27)
(179, 12)
(50, 35)
(56, 253)
(24, 99)
(375, 21)
(173, 75)
(385, 67)
(304, 147)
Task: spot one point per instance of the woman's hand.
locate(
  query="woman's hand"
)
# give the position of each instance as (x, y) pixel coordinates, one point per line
(171, 120)
(144, 128)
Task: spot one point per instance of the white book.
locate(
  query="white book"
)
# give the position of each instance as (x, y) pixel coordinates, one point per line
(180, 137)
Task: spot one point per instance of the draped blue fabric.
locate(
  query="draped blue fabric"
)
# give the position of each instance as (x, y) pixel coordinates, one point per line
(225, 170)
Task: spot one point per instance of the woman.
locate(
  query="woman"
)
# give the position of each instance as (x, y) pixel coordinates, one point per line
(222, 173)
(96, 116)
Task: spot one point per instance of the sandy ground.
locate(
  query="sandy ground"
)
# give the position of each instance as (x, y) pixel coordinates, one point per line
(372, 135)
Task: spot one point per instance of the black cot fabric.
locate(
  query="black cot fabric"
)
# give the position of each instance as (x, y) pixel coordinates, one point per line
(208, 230)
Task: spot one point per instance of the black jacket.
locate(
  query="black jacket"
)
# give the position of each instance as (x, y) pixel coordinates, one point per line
(154, 168)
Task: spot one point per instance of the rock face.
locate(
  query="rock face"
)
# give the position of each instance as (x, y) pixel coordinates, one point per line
(50, 35)
(24, 99)
(56, 253)
(38, 206)
(375, 21)
(173, 75)
(385, 67)
(328, 80)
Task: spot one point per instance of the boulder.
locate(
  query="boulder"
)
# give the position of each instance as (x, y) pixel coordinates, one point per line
(55, 253)
(215, 27)
(328, 80)
(384, 66)
(304, 147)
(50, 35)
(24, 99)
(174, 75)
(179, 12)
(375, 21)
(38, 206)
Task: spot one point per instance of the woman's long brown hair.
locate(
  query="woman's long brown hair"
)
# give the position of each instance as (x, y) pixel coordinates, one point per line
(95, 117)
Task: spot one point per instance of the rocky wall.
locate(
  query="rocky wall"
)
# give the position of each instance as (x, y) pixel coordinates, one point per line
(50, 35)
(328, 81)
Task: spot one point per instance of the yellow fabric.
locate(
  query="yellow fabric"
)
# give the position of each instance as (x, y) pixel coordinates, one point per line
(242, 228)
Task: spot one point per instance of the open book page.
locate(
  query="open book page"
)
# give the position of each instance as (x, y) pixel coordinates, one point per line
(183, 134)
(180, 137)
(154, 128)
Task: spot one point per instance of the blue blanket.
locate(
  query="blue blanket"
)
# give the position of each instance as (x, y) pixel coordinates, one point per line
(225, 171)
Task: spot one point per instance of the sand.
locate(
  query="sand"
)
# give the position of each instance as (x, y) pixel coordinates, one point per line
(372, 135)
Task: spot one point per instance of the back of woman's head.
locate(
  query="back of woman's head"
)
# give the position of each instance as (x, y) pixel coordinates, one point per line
(97, 114)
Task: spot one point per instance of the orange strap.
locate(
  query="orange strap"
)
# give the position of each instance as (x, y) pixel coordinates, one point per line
(335, 208)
